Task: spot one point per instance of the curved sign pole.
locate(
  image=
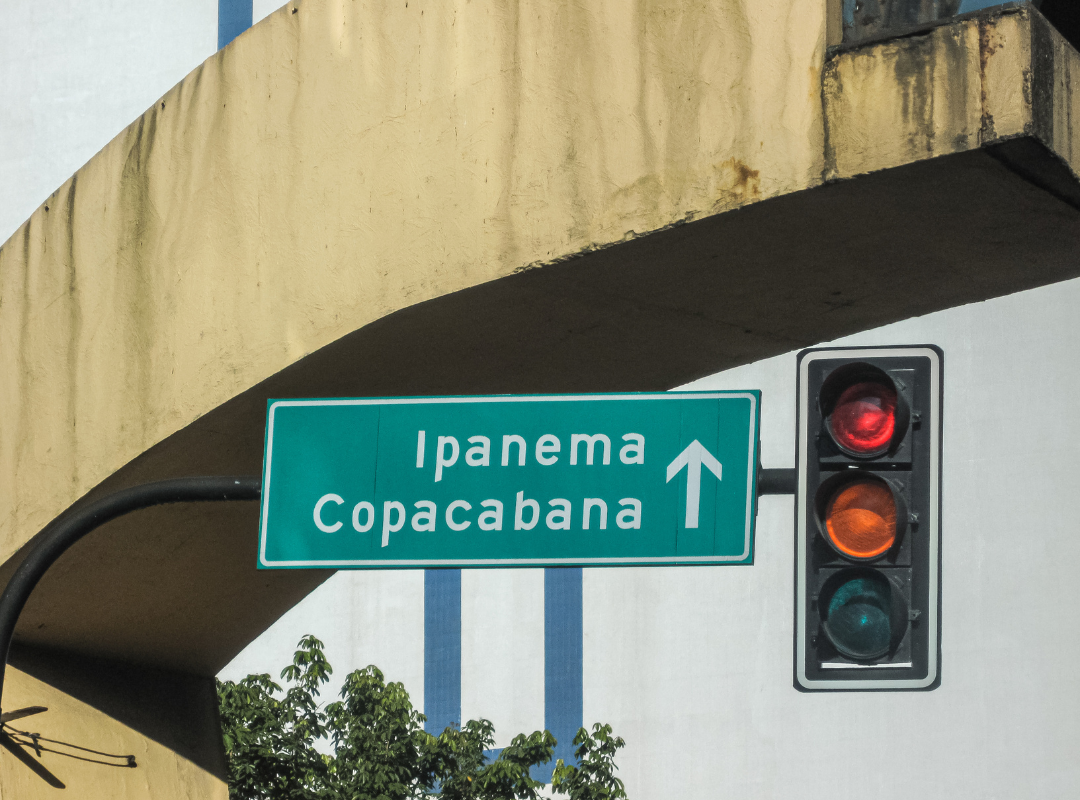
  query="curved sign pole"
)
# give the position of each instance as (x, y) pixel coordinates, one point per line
(69, 528)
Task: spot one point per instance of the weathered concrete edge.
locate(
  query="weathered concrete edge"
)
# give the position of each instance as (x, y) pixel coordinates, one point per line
(1023, 75)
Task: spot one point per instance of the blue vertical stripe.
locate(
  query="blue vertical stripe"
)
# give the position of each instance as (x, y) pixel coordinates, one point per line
(442, 649)
(563, 655)
(233, 18)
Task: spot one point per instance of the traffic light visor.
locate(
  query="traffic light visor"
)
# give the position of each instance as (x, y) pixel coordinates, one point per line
(863, 421)
(860, 518)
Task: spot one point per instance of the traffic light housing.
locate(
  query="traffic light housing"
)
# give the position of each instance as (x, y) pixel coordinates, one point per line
(868, 519)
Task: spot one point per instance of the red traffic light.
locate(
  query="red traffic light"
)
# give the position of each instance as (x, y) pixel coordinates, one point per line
(863, 421)
(863, 411)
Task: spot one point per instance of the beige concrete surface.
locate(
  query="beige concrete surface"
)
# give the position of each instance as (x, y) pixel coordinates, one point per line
(162, 766)
(343, 160)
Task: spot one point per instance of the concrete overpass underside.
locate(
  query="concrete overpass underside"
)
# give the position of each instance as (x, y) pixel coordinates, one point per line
(458, 200)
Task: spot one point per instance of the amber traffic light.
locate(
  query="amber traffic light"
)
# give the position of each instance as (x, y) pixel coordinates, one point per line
(860, 518)
(867, 599)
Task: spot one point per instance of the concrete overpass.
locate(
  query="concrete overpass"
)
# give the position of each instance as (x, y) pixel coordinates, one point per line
(462, 199)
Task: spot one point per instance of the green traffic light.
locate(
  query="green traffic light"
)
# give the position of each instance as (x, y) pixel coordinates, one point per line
(858, 618)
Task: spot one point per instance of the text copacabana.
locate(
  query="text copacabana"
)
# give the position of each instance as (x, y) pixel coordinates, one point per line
(584, 450)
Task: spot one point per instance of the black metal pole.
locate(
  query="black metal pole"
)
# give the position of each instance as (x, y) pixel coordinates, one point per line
(70, 527)
(776, 481)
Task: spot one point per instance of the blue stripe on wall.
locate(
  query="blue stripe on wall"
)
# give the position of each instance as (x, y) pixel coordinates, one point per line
(233, 18)
(442, 649)
(563, 658)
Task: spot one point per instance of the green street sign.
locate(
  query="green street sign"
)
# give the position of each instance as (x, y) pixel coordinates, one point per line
(538, 480)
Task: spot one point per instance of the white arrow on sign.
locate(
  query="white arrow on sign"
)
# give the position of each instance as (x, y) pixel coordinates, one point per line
(692, 458)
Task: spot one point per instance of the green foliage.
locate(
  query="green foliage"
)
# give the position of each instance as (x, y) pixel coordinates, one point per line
(594, 778)
(460, 769)
(381, 751)
(270, 742)
(378, 740)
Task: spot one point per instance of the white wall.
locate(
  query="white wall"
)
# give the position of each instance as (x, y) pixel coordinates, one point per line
(693, 665)
(260, 8)
(74, 73)
(376, 618)
(708, 704)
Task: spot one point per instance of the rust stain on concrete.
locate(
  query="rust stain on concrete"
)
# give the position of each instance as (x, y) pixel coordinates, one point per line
(988, 45)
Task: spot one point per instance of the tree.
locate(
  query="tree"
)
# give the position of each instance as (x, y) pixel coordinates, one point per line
(381, 751)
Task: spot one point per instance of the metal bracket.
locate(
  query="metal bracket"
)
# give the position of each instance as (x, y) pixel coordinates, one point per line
(776, 481)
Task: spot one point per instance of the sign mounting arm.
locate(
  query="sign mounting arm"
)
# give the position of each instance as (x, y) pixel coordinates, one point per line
(72, 526)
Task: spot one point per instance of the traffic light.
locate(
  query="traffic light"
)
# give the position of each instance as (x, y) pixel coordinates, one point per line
(867, 519)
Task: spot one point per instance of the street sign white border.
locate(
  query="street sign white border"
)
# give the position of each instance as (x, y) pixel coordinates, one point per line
(933, 527)
(518, 562)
